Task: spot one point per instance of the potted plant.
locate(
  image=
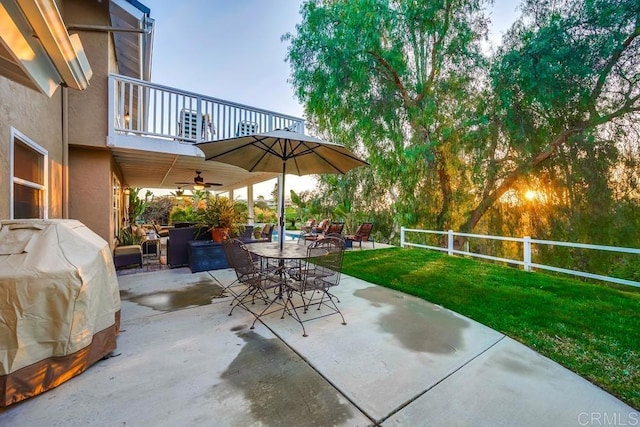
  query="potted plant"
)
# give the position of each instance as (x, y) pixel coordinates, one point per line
(127, 237)
(223, 217)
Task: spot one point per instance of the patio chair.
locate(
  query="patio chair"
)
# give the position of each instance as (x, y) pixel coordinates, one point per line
(317, 231)
(232, 250)
(362, 234)
(321, 227)
(317, 277)
(246, 127)
(257, 282)
(308, 226)
(335, 228)
(266, 233)
(188, 126)
(247, 233)
(306, 230)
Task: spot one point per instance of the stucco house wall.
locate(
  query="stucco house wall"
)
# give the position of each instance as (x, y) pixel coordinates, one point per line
(88, 108)
(91, 165)
(39, 119)
(90, 203)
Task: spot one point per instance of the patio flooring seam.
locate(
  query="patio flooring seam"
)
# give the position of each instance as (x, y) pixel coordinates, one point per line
(350, 400)
(422, 393)
(307, 362)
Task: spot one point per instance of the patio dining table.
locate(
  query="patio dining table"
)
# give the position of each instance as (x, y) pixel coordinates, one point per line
(291, 252)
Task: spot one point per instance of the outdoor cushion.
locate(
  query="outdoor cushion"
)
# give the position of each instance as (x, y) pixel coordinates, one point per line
(127, 255)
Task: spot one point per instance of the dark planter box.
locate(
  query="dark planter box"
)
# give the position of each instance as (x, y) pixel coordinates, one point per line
(206, 255)
(177, 250)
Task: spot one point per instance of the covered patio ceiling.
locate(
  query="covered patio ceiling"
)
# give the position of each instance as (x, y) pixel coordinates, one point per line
(147, 169)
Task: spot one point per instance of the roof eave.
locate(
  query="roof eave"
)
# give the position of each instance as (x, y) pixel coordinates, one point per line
(65, 51)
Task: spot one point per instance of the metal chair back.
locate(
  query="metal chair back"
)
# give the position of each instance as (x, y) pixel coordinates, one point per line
(239, 259)
(324, 272)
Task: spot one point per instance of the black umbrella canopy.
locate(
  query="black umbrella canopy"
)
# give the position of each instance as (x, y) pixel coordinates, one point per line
(283, 152)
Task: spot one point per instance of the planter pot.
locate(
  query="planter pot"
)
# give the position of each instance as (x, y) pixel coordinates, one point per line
(219, 234)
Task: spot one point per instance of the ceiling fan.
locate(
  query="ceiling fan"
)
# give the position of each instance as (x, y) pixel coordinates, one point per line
(198, 182)
(179, 193)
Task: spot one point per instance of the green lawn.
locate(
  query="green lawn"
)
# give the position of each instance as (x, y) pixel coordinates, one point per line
(592, 329)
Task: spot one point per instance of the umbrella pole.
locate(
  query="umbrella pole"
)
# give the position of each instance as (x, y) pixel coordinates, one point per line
(282, 218)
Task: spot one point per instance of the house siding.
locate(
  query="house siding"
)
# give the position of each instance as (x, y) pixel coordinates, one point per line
(91, 166)
(90, 201)
(88, 108)
(38, 118)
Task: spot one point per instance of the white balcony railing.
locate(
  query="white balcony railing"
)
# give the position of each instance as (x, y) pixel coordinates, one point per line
(137, 107)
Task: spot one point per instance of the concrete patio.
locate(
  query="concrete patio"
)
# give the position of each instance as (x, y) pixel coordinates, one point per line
(181, 360)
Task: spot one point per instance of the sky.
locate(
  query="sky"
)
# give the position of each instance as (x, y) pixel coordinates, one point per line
(232, 49)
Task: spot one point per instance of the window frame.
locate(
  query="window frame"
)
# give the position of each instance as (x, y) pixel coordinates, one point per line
(16, 135)
(116, 205)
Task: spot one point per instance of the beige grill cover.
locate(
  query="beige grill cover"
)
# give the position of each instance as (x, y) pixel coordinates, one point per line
(58, 288)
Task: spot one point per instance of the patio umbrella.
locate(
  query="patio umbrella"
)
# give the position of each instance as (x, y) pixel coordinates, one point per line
(283, 152)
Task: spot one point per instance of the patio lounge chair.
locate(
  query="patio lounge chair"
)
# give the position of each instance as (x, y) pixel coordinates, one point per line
(307, 230)
(266, 234)
(335, 229)
(362, 234)
(308, 226)
(321, 227)
(160, 231)
(316, 233)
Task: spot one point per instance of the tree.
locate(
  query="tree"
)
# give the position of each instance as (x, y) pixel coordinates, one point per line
(158, 210)
(261, 203)
(567, 76)
(391, 79)
(449, 131)
(137, 206)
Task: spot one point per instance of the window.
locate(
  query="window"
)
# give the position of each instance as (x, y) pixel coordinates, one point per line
(29, 176)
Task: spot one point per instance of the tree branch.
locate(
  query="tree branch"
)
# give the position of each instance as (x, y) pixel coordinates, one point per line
(488, 201)
(597, 90)
(437, 44)
(393, 75)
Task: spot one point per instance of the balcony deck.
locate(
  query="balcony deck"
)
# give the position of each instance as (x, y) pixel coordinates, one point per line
(153, 129)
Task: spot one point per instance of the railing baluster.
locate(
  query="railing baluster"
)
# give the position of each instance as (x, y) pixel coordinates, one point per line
(140, 113)
(121, 90)
(129, 112)
(157, 113)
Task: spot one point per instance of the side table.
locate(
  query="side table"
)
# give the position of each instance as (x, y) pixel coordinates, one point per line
(150, 251)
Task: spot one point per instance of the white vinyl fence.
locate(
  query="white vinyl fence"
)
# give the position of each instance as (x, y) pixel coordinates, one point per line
(526, 242)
